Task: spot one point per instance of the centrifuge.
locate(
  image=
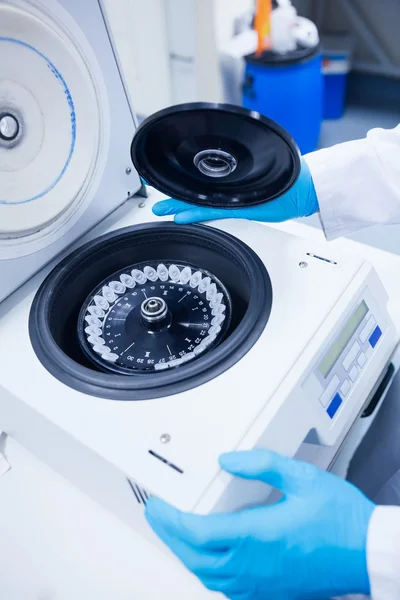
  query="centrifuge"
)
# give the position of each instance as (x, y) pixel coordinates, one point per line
(133, 357)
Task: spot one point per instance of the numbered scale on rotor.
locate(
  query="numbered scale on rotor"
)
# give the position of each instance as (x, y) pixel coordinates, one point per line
(153, 316)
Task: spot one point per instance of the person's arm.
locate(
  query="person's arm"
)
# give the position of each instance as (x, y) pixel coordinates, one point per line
(353, 185)
(324, 533)
(311, 544)
(383, 553)
(358, 183)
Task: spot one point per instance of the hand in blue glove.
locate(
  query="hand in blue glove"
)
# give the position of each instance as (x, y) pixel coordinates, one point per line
(309, 545)
(300, 201)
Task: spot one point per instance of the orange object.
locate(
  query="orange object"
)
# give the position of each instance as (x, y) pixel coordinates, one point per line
(262, 24)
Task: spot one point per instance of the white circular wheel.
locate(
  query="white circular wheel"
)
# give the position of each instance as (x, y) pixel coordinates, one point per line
(51, 125)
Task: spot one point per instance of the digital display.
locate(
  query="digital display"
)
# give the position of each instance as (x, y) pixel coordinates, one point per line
(342, 340)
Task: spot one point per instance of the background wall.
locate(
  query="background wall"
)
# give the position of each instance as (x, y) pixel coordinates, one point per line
(381, 18)
(227, 15)
(169, 48)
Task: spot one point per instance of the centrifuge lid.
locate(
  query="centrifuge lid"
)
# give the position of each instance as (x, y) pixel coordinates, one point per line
(215, 155)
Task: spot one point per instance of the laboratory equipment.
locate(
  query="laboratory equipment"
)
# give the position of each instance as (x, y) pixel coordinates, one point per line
(166, 332)
(306, 32)
(283, 24)
(287, 88)
(262, 24)
(120, 396)
(66, 128)
(289, 30)
(218, 156)
(289, 91)
(337, 58)
(307, 376)
(284, 82)
(170, 323)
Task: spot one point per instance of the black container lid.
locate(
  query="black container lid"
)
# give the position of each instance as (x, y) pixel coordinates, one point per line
(215, 155)
(270, 58)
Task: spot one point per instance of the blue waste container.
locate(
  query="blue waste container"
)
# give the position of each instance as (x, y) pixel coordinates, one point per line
(289, 90)
(336, 65)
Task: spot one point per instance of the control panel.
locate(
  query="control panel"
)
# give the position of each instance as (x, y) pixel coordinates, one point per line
(347, 355)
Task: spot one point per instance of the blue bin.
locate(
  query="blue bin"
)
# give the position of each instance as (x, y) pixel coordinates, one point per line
(335, 95)
(336, 65)
(289, 90)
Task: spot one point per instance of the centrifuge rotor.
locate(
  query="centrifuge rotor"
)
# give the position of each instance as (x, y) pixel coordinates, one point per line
(153, 317)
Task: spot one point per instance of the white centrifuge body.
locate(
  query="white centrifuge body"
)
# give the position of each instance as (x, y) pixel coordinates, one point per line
(277, 396)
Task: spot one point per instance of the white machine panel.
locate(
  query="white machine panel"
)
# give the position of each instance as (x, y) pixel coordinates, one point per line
(334, 378)
(66, 129)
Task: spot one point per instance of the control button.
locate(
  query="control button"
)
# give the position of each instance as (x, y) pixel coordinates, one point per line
(354, 373)
(329, 391)
(362, 359)
(351, 355)
(344, 390)
(368, 329)
(334, 406)
(374, 339)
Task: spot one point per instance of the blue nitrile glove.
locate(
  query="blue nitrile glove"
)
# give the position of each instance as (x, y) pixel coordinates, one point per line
(300, 201)
(309, 545)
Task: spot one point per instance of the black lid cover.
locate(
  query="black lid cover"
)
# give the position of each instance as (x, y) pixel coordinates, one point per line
(270, 58)
(215, 155)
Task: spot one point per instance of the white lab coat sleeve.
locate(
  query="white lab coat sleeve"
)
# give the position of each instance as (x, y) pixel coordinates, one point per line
(383, 553)
(358, 183)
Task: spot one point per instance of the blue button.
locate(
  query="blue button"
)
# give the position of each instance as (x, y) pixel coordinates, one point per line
(334, 405)
(376, 334)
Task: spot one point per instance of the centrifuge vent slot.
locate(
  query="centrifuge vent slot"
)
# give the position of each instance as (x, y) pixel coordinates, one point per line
(140, 494)
(327, 260)
(166, 462)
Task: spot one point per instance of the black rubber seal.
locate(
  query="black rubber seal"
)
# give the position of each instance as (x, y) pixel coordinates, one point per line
(166, 147)
(78, 273)
(274, 59)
